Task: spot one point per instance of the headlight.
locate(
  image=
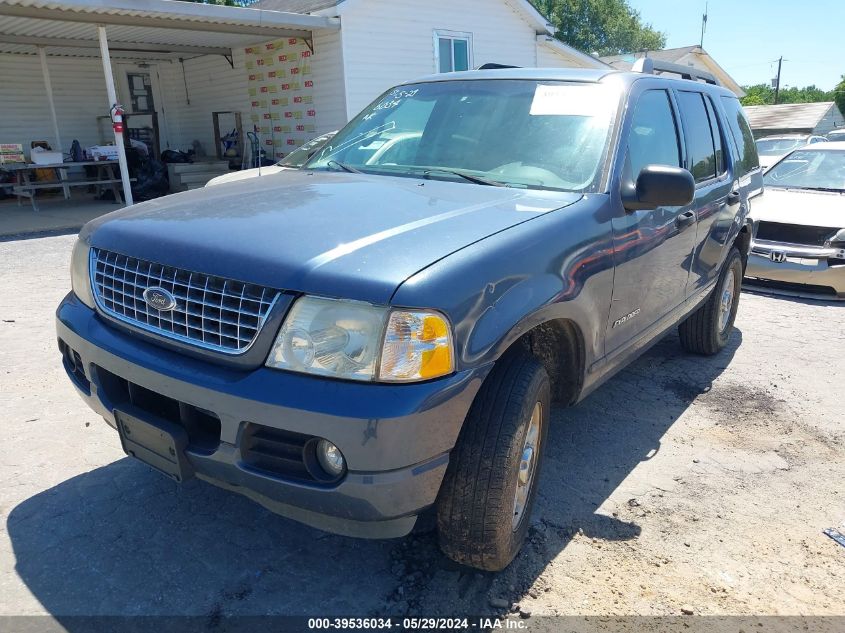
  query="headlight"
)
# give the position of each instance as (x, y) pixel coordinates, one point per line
(330, 338)
(359, 341)
(80, 279)
(839, 238)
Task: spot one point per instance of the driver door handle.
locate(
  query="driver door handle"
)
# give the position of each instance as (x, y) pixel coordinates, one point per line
(685, 219)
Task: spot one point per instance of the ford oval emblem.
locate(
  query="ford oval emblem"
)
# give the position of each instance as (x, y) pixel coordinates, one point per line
(159, 299)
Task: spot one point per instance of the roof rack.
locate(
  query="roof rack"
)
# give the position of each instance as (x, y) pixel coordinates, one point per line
(493, 66)
(649, 65)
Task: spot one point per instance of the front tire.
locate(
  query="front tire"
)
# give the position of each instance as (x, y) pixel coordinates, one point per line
(707, 330)
(485, 503)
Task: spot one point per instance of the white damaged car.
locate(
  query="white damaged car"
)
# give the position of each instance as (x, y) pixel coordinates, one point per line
(799, 239)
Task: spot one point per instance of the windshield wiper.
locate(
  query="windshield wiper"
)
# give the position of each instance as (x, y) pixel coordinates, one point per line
(344, 167)
(829, 189)
(479, 180)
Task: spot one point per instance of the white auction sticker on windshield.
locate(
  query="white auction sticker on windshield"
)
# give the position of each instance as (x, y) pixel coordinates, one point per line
(568, 101)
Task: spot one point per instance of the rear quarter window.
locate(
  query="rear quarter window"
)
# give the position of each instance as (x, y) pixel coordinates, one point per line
(742, 136)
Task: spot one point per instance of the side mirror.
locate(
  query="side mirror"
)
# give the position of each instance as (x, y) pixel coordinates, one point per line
(659, 186)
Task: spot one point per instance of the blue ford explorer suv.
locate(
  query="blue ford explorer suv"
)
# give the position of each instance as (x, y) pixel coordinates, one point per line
(382, 334)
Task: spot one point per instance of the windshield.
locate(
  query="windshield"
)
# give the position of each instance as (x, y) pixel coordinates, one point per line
(298, 157)
(809, 169)
(517, 133)
(779, 145)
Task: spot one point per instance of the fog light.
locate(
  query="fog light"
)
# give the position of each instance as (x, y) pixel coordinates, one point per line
(330, 458)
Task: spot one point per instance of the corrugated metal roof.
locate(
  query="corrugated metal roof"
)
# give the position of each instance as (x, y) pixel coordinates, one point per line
(68, 26)
(787, 116)
(149, 11)
(296, 6)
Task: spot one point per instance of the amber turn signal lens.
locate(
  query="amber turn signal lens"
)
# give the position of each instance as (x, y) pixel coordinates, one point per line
(417, 346)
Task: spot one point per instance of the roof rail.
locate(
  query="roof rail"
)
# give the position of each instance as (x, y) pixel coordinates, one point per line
(493, 66)
(649, 66)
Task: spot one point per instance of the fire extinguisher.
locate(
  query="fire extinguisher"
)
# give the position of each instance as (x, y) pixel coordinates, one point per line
(117, 118)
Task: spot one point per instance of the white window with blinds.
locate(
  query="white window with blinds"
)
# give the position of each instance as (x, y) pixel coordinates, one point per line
(452, 51)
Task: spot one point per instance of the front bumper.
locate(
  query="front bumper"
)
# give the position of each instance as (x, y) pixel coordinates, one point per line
(396, 438)
(805, 270)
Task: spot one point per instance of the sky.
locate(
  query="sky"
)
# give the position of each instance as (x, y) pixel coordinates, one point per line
(746, 37)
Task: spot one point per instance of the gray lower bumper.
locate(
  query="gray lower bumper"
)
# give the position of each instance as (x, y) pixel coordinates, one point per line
(396, 440)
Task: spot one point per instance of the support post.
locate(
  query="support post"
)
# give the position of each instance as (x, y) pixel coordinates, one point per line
(112, 93)
(48, 88)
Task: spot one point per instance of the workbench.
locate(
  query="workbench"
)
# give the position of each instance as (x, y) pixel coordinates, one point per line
(26, 186)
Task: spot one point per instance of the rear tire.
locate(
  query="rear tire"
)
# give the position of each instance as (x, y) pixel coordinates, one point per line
(485, 503)
(708, 330)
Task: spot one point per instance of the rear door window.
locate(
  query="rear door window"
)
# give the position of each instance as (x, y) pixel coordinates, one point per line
(701, 153)
(742, 136)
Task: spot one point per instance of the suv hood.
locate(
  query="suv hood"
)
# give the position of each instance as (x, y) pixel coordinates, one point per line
(800, 206)
(333, 234)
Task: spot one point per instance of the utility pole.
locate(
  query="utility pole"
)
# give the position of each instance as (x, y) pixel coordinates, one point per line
(703, 25)
(777, 80)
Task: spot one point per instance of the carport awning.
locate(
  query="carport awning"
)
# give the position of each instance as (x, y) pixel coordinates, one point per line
(144, 28)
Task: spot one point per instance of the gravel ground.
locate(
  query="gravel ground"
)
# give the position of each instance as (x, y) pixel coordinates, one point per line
(683, 484)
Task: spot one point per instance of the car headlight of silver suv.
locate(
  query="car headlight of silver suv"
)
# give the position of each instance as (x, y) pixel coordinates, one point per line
(80, 279)
(359, 341)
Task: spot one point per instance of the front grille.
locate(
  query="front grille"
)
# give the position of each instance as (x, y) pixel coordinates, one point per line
(212, 312)
(794, 233)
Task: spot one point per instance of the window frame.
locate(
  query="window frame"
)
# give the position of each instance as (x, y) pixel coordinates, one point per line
(676, 120)
(687, 126)
(735, 126)
(440, 34)
(716, 127)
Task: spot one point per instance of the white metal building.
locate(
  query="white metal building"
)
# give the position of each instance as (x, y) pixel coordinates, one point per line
(794, 118)
(289, 68)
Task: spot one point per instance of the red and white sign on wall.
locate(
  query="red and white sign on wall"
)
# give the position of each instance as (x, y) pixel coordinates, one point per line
(281, 94)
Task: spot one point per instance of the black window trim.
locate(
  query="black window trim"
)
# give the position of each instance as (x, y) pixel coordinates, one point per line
(725, 174)
(634, 101)
(736, 158)
(708, 100)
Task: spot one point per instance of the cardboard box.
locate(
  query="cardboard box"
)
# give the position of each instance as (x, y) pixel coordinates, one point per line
(11, 153)
(102, 152)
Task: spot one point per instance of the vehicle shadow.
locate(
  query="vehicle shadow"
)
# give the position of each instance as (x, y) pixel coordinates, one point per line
(819, 300)
(122, 540)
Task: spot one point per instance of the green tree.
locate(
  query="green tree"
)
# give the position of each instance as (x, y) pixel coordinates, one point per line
(839, 95)
(764, 94)
(759, 94)
(605, 27)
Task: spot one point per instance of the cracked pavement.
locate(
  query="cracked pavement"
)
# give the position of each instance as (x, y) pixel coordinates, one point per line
(684, 482)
